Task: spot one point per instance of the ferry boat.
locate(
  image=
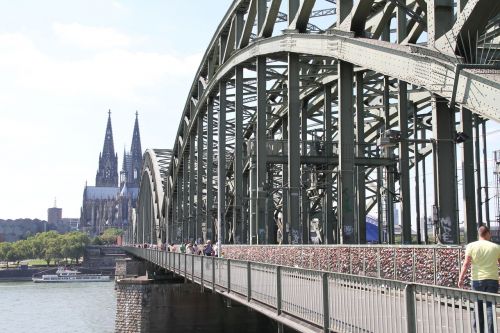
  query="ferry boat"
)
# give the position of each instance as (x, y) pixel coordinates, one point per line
(67, 275)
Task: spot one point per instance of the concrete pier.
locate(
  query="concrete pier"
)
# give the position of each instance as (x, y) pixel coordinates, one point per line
(173, 306)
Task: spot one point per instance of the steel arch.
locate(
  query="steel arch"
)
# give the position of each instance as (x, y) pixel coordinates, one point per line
(326, 122)
(150, 227)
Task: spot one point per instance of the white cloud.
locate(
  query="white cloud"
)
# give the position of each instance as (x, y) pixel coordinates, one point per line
(110, 73)
(87, 37)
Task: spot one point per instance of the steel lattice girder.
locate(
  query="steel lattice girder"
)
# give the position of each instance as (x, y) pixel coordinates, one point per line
(430, 70)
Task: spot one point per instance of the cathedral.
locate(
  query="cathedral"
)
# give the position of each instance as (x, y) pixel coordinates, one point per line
(111, 202)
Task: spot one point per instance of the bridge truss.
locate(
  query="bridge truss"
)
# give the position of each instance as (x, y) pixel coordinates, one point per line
(306, 116)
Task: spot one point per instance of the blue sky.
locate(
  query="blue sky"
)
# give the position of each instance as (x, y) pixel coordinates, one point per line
(64, 64)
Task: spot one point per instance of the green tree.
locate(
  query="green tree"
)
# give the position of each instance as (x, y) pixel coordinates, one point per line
(73, 245)
(109, 236)
(22, 250)
(5, 249)
(47, 246)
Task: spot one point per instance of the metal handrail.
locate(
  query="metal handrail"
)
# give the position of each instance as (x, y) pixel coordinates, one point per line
(438, 265)
(325, 301)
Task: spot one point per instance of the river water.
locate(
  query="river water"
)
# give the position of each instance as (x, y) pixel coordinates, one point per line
(88, 307)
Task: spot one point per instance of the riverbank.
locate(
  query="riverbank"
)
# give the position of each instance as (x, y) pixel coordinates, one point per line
(20, 274)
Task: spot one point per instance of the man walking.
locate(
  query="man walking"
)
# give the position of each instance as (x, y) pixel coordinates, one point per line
(484, 257)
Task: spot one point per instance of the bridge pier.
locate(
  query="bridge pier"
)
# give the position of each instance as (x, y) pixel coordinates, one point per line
(160, 301)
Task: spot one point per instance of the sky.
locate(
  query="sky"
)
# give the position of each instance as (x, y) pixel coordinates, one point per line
(64, 64)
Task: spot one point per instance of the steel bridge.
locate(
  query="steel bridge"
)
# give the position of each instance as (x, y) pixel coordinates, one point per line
(318, 301)
(306, 116)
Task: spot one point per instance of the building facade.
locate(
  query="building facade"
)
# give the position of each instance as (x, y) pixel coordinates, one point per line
(111, 201)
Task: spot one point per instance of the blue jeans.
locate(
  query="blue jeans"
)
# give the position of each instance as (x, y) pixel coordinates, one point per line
(490, 286)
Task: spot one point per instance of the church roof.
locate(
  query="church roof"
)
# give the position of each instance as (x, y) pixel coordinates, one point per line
(94, 192)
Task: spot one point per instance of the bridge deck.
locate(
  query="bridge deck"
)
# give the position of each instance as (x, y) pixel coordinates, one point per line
(318, 301)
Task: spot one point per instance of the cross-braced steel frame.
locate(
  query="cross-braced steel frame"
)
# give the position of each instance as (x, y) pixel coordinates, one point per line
(306, 116)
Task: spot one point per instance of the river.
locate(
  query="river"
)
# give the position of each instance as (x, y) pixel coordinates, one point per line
(88, 307)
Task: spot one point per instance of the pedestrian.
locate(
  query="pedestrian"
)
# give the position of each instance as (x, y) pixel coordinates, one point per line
(189, 248)
(207, 250)
(484, 256)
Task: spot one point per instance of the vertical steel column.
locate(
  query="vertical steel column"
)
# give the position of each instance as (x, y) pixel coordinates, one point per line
(485, 167)
(445, 172)
(238, 157)
(424, 189)
(245, 210)
(380, 215)
(180, 215)
(439, 19)
(360, 153)
(404, 164)
(328, 207)
(417, 175)
(221, 171)
(210, 167)
(192, 186)
(469, 195)
(304, 199)
(389, 170)
(185, 200)
(293, 7)
(261, 14)
(345, 194)
(253, 201)
(286, 192)
(293, 217)
(344, 8)
(199, 179)
(261, 141)
(477, 152)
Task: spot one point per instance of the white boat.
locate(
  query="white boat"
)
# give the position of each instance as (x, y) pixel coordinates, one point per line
(67, 275)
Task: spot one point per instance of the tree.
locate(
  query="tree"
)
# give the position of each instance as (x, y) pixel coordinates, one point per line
(5, 249)
(109, 236)
(73, 245)
(47, 246)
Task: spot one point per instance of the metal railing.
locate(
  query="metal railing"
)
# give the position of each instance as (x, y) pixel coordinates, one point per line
(437, 265)
(318, 301)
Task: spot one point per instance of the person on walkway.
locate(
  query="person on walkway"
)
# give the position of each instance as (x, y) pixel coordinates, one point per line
(207, 250)
(484, 256)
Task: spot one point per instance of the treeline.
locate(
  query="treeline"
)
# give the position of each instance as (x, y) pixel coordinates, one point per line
(51, 246)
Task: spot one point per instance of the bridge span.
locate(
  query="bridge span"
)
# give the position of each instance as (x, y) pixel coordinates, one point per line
(307, 117)
(319, 301)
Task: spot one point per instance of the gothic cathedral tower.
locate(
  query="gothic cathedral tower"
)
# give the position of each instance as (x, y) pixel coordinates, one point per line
(107, 174)
(136, 155)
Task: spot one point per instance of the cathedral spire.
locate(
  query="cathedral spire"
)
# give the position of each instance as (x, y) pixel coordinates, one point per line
(135, 155)
(107, 174)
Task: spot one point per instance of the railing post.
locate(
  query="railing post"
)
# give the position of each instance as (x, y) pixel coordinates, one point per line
(201, 274)
(364, 261)
(378, 262)
(278, 290)
(228, 275)
(173, 266)
(434, 257)
(213, 274)
(414, 271)
(395, 266)
(249, 281)
(185, 268)
(411, 324)
(192, 268)
(326, 308)
(350, 260)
